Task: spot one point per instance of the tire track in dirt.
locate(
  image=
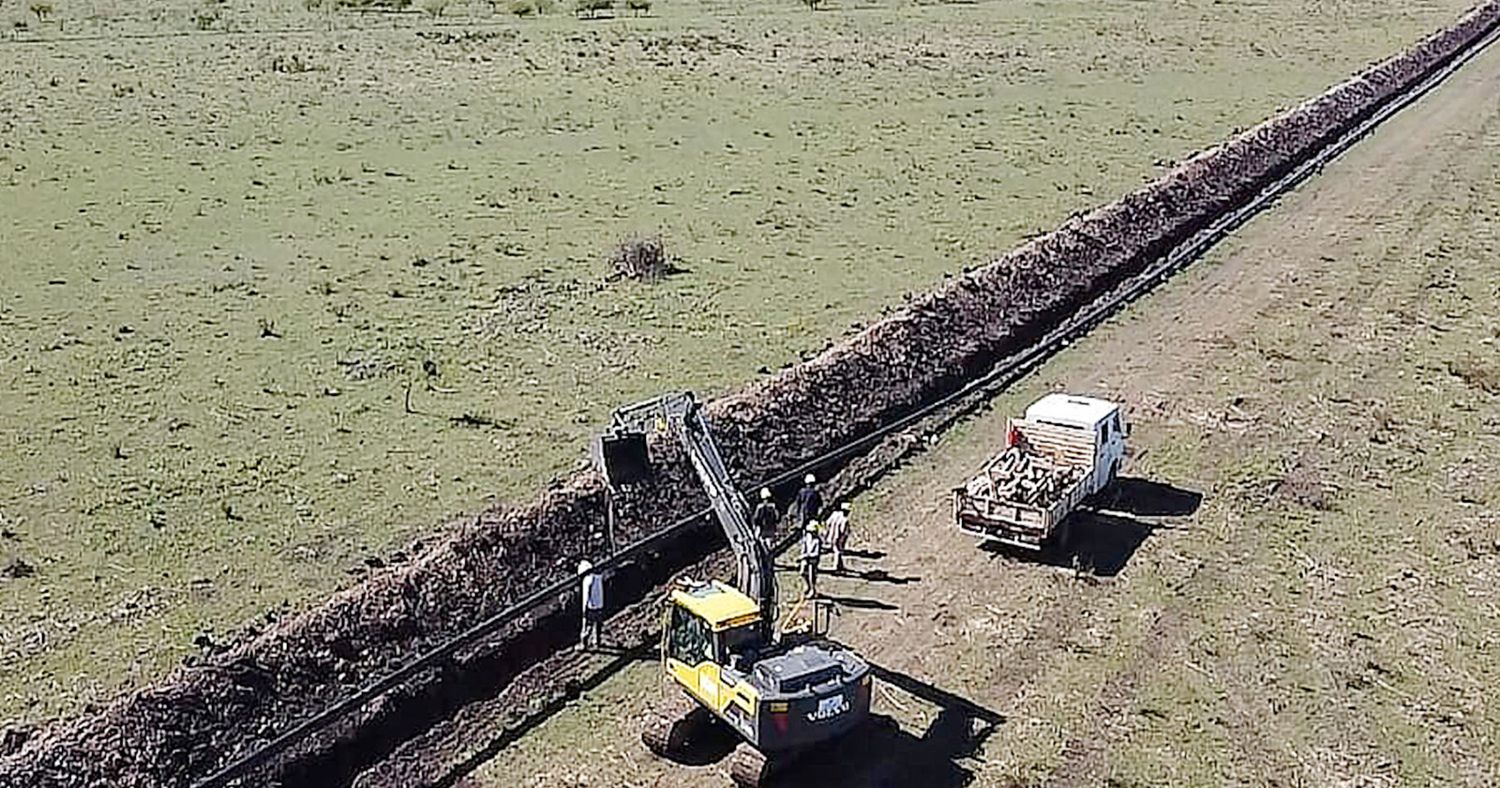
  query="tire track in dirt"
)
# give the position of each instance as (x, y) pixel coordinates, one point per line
(1394, 168)
(1084, 756)
(1401, 171)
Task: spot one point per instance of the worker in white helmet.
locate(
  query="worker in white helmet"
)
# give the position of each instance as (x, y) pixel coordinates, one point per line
(812, 554)
(766, 516)
(593, 605)
(809, 501)
(837, 534)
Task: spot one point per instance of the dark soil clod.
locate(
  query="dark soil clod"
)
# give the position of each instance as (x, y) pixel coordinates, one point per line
(17, 568)
(1478, 374)
(12, 738)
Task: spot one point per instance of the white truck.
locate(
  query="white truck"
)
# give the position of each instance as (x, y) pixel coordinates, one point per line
(1064, 450)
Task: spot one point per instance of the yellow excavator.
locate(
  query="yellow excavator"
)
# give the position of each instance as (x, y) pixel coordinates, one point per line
(782, 693)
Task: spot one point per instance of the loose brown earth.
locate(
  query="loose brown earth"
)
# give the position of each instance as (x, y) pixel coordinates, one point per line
(1326, 614)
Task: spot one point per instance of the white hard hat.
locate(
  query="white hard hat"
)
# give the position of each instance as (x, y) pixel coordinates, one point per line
(844, 506)
(765, 492)
(584, 567)
(810, 479)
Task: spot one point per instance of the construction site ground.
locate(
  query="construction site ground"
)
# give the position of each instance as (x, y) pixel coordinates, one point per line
(229, 253)
(1297, 581)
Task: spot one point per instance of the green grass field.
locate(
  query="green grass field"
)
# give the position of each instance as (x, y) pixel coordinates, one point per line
(221, 277)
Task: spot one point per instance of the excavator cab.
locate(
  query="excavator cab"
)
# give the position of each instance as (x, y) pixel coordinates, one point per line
(711, 636)
(779, 699)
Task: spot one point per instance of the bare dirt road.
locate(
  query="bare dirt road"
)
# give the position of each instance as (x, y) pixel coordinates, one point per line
(1296, 584)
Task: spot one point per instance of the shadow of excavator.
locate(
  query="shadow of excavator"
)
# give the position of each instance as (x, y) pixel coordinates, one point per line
(879, 754)
(883, 754)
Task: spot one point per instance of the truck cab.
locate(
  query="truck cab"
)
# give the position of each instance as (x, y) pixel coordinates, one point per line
(1103, 419)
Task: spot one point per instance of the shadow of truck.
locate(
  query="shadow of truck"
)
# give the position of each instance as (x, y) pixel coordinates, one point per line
(1105, 533)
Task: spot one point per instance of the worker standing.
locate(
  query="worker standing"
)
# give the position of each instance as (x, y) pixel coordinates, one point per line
(812, 553)
(765, 517)
(593, 605)
(809, 501)
(837, 531)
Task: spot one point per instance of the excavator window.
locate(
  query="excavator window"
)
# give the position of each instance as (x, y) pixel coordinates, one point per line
(741, 641)
(691, 641)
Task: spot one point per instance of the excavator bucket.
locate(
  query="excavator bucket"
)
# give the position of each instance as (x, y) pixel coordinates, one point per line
(623, 458)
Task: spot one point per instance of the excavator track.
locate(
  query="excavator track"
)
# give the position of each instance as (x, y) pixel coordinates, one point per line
(674, 735)
(749, 767)
(658, 736)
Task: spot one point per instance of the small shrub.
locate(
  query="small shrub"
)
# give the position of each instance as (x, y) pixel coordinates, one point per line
(208, 16)
(641, 258)
(293, 64)
(42, 10)
(16, 569)
(474, 419)
(527, 8)
(373, 5)
(589, 8)
(1304, 486)
(638, 6)
(435, 8)
(1477, 373)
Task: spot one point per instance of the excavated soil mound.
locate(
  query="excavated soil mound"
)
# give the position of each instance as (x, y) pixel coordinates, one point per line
(198, 717)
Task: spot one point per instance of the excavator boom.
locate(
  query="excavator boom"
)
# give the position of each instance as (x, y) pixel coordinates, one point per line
(681, 414)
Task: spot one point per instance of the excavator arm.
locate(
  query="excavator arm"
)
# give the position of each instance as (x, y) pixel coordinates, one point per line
(681, 414)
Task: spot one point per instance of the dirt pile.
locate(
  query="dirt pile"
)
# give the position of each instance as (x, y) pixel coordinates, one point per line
(17, 568)
(198, 717)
